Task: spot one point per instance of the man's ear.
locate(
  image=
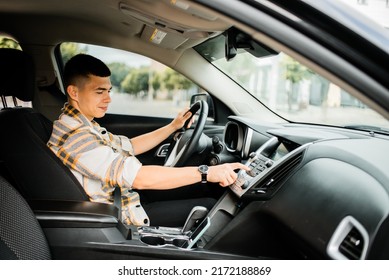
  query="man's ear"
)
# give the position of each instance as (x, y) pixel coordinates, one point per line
(72, 92)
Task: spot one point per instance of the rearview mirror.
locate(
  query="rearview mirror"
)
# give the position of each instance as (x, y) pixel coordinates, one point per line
(236, 39)
(230, 45)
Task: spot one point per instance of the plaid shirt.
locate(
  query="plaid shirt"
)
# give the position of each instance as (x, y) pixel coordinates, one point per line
(99, 160)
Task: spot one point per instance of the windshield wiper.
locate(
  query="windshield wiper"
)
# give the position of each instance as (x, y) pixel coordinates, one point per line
(369, 128)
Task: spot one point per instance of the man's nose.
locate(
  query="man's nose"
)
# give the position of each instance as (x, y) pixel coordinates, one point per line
(107, 98)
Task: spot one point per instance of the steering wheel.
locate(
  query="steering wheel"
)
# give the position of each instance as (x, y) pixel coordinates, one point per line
(187, 142)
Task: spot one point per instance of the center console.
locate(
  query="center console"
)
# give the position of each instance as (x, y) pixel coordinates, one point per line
(259, 183)
(87, 230)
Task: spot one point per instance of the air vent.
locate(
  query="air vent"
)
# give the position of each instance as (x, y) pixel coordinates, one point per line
(349, 241)
(352, 245)
(281, 172)
(286, 167)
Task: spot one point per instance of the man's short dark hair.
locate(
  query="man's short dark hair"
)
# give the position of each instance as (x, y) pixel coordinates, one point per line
(81, 66)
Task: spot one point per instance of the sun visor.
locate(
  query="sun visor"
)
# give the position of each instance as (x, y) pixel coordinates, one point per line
(162, 38)
(166, 31)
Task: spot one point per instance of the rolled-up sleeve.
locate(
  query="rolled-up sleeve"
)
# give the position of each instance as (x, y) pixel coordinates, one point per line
(108, 166)
(130, 170)
(121, 142)
(96, 159)
(126, 144)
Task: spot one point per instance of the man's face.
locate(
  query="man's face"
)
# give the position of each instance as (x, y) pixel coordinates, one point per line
(93, 97)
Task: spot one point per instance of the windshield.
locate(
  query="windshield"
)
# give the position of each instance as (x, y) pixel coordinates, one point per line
(290, 89)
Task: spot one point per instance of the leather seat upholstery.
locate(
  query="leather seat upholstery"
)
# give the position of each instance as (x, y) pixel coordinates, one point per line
(31, 166)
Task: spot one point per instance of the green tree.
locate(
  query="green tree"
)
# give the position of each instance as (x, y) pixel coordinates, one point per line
(175, 83)
(173, 80)
(143, 80)
(155, 82)
(68, 50)
(136, 81)
(128, 84)
(168, 79)
(9, 43)
(119, 71)
(183, 82)
(295, 73)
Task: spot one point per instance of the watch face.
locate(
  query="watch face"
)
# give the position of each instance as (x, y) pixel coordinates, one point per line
(203, 169)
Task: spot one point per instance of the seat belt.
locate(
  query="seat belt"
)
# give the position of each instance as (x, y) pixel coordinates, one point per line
(4, 101)
(117, 201)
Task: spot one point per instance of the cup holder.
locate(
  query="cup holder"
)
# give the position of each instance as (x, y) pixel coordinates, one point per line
(179, 242)
(153, 240)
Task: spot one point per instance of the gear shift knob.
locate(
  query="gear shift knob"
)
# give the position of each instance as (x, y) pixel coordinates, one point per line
(197, 213)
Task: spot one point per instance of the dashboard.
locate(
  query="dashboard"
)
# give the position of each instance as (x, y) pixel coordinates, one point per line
(259, 181)
(312, 192)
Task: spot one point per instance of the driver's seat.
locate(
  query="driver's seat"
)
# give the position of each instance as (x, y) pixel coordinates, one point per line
(25, 159)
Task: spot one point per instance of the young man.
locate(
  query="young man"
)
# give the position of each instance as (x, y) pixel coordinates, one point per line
(101, 161)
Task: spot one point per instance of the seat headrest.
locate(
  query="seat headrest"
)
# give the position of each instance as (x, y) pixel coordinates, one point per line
(17, 74)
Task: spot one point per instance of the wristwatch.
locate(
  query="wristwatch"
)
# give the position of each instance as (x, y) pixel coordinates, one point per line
(203, 169)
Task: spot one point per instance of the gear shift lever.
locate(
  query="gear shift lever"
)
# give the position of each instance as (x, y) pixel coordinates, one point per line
(197, 213)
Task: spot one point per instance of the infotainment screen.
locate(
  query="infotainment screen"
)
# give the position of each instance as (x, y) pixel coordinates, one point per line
(279, 152)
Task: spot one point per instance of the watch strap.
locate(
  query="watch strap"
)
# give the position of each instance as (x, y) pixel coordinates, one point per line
(204, 178)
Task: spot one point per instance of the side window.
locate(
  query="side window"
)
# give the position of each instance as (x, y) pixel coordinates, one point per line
(7, 42)
(141, 86)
